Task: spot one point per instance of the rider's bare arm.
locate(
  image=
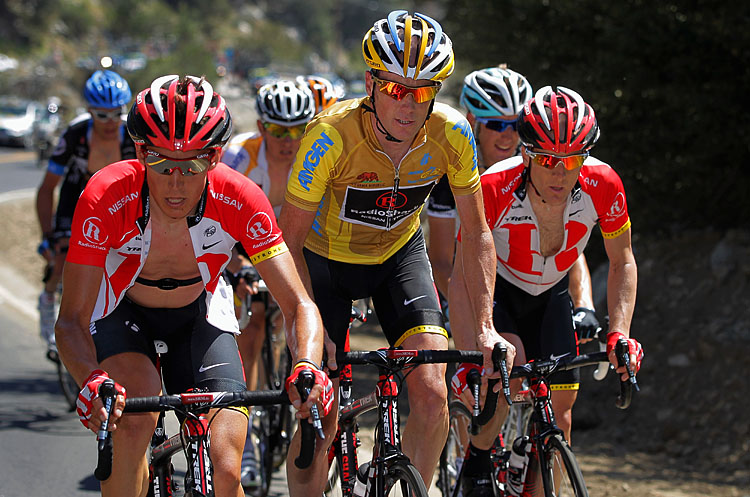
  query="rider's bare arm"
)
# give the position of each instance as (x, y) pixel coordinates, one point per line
(295, 223)
(441, 249)
(621, 287)
(72, 329)
(579, 284)
(479, 270)
(45, 201)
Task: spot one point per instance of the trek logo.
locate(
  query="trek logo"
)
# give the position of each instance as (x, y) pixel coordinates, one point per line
(92, 231)
(312, 159)
(210, 231)
(368, 177)
(260, 226)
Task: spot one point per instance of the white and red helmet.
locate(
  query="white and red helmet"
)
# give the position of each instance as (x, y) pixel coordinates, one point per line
(180, 114)
(559, 121)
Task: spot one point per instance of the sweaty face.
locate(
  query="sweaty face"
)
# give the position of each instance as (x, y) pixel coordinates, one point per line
(279, 150)
(402, 118)
(175, 195)
(496, 145)
(553, 185)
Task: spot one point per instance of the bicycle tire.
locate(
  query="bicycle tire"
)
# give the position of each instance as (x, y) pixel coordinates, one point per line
(68, 386)
(561, 476)
(403, 480)
(455, 447)
(265, 453)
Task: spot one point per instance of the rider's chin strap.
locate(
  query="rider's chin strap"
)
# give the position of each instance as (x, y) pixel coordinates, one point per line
(380, 125)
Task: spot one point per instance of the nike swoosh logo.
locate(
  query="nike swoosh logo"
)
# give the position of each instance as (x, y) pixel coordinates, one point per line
(206, 368)
(206, 247)
(556, 357)
(407, 302)
(574, 213)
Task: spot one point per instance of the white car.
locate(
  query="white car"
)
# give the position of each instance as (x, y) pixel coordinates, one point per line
(17, 118)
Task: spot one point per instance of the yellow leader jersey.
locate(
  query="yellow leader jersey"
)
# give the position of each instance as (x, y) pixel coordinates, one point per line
(367, 207)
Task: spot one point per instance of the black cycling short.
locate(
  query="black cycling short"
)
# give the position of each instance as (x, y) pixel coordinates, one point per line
(403, 293)
(543, 322)
(199, 354)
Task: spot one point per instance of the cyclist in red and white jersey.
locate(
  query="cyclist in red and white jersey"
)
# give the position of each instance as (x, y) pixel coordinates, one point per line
(150, 238)
(266, 157)
(541, 207)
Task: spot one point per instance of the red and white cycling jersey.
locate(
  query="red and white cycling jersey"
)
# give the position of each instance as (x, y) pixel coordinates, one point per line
(598, 197)
(112, 229)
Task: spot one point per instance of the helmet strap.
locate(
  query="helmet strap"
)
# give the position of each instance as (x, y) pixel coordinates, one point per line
(380, 125)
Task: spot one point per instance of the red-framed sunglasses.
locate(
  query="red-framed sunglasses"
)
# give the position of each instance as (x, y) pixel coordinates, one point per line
(399, 92)
(548, 161)
(187, 166)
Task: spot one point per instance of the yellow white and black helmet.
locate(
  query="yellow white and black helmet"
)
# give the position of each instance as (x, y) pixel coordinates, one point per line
(412, 46)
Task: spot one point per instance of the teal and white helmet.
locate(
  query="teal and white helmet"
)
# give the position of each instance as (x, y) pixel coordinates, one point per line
(495, 92)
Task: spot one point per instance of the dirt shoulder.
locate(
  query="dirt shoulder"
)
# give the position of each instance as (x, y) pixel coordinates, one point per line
(687, 433)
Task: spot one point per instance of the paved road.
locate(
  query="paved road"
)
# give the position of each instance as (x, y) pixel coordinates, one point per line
(19, 169)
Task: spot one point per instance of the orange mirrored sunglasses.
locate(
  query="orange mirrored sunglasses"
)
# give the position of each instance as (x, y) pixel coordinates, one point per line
(547, 161)
(398, 91)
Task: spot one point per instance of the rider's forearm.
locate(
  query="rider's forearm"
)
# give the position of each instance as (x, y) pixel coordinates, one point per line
(479, 269)
(462, 315)
(305, 336)
(44, 201)
(76, 349)
(621, 292)
(579, 284)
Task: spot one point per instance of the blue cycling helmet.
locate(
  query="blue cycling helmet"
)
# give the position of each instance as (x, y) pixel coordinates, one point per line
(107, 90)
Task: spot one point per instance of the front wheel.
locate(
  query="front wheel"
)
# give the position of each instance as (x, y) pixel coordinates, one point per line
(68, 386)
(403, 480)
(561, 476)
(455, 447)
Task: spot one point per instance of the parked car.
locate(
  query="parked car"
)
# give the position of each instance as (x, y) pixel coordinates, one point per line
(17, 118)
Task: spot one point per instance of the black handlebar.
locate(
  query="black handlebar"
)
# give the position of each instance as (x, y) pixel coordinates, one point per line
(305, 382)
(103, 469)
(206, 400)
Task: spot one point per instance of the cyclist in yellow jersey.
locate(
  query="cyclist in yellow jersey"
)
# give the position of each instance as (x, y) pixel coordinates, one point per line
(266, 157)
(351, 220)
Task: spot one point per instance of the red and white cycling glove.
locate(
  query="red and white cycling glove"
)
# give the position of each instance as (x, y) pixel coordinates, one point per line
(458, 382)
(634, 347)
(322, 379)
(90, 391)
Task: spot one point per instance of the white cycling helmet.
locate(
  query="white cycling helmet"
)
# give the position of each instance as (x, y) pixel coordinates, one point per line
(412, 46)
(495, 92)
(285, 103)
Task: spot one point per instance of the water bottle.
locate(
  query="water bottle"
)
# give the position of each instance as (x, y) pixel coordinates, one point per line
(360, 483)
(519, 459)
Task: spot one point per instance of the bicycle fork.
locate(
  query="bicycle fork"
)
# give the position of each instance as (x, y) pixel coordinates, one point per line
(199, 476)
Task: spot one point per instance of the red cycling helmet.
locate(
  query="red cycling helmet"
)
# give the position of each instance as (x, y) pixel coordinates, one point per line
(558, 121)
(182, 118)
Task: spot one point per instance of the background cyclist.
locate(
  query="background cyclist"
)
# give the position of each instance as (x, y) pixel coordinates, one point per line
(156, 233)
(351, 219)
(266, 157)
(542, 207)
(90, 142)
(322, 90)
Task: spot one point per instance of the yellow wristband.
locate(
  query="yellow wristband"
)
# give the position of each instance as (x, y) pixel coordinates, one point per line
(302, 362)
